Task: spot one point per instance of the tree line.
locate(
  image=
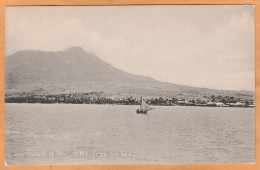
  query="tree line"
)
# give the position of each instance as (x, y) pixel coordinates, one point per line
(99, 98)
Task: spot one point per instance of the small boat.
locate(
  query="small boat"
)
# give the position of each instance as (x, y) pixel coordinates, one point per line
(144, 108)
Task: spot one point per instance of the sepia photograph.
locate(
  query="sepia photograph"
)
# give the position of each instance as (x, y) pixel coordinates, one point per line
(130, 84)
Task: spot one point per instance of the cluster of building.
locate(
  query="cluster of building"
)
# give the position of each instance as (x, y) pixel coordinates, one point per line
(100, 98)
(218, 101)
(218, 104)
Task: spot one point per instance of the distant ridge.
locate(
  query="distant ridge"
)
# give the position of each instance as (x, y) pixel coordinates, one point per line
(75, 70)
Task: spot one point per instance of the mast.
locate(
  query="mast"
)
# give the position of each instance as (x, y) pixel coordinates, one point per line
(141, 103)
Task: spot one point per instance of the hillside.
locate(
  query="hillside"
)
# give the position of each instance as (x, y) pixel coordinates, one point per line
(75, 70)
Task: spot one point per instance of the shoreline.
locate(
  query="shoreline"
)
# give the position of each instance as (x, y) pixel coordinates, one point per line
(102, 98)
(132, 105)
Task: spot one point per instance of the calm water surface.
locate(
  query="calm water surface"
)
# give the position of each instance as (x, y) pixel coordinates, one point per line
(106, 134)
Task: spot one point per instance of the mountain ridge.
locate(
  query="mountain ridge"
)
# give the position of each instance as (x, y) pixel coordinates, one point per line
(75, 70)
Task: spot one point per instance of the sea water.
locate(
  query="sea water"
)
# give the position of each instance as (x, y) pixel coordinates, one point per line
(114, 134)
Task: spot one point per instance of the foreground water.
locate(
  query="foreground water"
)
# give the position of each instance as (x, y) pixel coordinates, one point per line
(106, 134)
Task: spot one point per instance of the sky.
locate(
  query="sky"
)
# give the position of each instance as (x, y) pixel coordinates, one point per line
(208, 46)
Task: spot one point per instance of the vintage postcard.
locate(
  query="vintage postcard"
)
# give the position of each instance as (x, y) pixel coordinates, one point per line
(134, 84)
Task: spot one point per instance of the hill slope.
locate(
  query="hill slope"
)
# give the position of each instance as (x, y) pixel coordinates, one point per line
(75, 70)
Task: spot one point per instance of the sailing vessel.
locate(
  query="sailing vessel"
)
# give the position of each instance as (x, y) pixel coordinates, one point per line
(144, 108)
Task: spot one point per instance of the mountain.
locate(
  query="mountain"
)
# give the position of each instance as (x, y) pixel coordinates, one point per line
(75, 70)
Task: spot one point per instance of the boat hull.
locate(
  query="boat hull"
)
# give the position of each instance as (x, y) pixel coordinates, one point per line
(138, 111)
